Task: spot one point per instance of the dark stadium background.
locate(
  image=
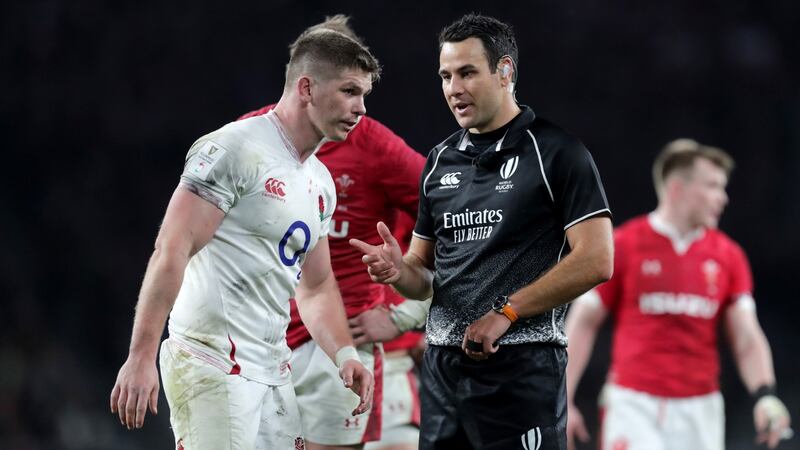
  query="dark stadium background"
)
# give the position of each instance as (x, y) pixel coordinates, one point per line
(101, 100)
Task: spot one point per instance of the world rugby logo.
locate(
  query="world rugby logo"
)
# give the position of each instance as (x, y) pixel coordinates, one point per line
(509, 167)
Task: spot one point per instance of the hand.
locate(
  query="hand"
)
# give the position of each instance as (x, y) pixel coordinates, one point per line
(383, 261)
(486, 331)
(771, 420)
(576, 428)
(373, 325)
(358, 379)
(136, 389)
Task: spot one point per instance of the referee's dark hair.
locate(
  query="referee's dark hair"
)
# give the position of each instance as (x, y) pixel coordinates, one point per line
(497, 37)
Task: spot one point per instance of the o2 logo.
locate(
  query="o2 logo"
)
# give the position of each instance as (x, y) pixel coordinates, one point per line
(286, 259)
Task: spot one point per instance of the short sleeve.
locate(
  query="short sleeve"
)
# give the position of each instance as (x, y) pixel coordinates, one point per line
(211, 171)
(424, 229)
(577, 190)
(741, 275)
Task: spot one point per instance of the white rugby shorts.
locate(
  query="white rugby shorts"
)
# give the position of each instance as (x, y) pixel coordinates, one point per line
(213, 410)
(634, 420)
(401, 407)
(326, 406)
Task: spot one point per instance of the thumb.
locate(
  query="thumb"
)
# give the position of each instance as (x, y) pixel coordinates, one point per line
(347, 375)
(386, 235)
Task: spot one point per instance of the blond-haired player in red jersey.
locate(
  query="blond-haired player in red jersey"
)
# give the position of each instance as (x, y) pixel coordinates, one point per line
(376, 173)
(675, 277)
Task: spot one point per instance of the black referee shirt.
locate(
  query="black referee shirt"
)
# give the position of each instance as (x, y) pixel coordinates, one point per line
(497, 212)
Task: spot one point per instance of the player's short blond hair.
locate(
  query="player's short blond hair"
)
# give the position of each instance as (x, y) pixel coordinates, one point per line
(680, 155)
(325, 49)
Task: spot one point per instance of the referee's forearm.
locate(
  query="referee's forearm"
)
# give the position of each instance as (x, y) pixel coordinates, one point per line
(416, 280)
(573, 276)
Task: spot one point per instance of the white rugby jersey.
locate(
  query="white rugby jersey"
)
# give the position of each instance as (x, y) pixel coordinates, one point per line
(233, 305)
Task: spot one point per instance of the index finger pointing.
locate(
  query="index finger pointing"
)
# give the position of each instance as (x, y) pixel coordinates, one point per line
(362, 246)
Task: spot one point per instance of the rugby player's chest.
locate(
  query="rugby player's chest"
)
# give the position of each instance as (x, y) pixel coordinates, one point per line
(661, 281)
(283, 201)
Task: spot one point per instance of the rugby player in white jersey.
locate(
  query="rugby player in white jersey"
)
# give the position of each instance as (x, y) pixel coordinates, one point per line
(252, 209)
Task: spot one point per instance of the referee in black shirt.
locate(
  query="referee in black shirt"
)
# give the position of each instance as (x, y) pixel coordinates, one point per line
(513, 224)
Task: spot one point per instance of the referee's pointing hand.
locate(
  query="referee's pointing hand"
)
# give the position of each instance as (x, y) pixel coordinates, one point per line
(383, 261)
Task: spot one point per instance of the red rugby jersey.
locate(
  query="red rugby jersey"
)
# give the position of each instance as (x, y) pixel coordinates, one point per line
(666, 305)
(375, 173)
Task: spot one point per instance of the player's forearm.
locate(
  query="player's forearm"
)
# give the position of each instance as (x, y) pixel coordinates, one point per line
(570, 278)
(581, 337)
(324, 315)
(416, 280)
(754, 360)
(162, 282)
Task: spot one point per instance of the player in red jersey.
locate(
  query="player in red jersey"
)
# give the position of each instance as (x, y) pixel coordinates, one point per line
(675, 277)
(375, 173)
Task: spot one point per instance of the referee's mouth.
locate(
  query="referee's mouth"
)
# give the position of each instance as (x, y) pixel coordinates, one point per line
(461, 108)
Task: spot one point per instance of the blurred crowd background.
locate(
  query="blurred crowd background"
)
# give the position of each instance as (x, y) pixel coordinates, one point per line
(101, 100)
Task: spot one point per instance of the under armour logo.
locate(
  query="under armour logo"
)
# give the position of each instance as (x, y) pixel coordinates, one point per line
(351, 422)
(275, 186)
(532, 440)
(450, 179)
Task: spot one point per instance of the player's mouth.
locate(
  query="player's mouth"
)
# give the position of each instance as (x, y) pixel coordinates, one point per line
(349, 124)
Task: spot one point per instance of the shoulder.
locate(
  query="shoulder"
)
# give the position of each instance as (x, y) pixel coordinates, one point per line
(552, 139)
(450, 143)
(725, 244)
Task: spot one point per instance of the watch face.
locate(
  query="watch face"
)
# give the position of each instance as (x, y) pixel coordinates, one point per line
(499, 303)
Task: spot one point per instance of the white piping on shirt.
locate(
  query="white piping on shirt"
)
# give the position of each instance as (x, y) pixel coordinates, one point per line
(425, 182)
(586, 216)
(541, 166)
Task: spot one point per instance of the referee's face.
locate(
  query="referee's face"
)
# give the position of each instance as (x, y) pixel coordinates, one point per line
(473, 92)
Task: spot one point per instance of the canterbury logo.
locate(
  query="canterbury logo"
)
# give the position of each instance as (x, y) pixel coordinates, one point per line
(532, 440)
(275, 186)
(450, 179)
(509, 167)
(213, 150)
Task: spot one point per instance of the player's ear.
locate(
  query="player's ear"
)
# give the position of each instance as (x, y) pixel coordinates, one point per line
(304, 86)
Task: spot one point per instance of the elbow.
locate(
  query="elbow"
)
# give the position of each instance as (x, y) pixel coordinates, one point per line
(603, 266)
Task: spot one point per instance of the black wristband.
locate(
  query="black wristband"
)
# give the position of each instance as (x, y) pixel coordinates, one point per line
(764, 390)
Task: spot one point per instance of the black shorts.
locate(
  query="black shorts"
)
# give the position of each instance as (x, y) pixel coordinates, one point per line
(516, 399)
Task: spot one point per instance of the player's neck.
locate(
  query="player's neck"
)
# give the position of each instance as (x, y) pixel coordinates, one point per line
(675, 220)
(298, 129)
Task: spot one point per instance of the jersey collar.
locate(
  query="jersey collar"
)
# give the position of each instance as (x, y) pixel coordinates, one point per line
(516, 130)
(680, 243)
